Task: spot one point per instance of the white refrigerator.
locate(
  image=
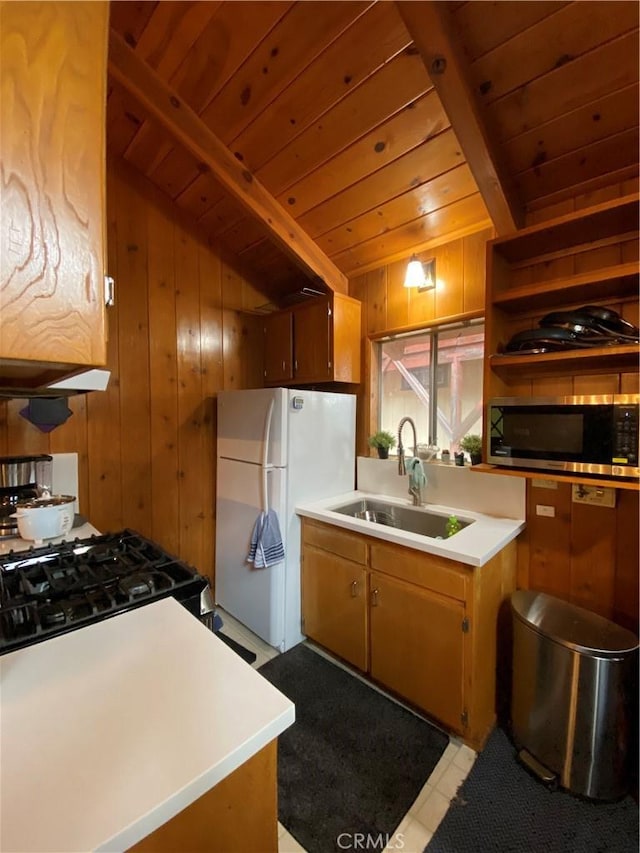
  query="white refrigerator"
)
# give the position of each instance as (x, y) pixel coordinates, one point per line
(276, 448)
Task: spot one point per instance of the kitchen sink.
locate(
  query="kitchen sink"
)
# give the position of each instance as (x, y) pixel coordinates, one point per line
(413, 520)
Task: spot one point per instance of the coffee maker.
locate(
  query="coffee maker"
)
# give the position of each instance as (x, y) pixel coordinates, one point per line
(21, 478)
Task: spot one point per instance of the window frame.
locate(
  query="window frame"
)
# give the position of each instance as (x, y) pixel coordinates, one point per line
(433, 330)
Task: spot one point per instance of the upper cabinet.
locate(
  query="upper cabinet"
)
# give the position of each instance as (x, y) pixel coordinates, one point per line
(314, 342)
(52, 137)
(585, 258)
(278, 351)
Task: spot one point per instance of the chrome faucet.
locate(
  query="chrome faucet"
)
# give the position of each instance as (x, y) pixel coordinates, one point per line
(416, 495)
(402, 468)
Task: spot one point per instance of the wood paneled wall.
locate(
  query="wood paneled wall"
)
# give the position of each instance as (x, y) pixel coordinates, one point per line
(177, 334)
(587, 555)
(388, 306)
(583, 200)
(584, 554)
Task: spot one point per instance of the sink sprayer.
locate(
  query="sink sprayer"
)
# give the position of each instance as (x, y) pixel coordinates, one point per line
(417, 477)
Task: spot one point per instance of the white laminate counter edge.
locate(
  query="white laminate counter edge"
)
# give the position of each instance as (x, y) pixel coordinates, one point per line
(16, 544)
(109, 731)
(475, 545)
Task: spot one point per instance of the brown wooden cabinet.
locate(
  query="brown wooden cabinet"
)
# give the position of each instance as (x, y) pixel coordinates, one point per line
(335, 611)
(417, 646)
(218, 821)
(423, 626)
(53, 68)
(278, 351)
(314, 342)
(313, 325)
(334, 604)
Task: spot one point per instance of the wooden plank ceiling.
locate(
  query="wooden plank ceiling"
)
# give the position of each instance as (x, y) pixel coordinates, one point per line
(368, 130)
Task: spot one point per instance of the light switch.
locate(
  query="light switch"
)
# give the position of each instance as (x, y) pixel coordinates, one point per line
(548, 511)
(544, 484)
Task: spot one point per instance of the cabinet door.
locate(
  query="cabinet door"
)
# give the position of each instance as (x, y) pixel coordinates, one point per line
(278, 348)
(417, 644)
(334, 604)
(53, 65)
(312, 342)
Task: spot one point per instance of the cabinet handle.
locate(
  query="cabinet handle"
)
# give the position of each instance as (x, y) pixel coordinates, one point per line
(109, 291)
(283, 366)
(354, 589)
(374, 597)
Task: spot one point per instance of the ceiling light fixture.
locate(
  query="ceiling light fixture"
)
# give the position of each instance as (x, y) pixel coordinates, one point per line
(421, 274)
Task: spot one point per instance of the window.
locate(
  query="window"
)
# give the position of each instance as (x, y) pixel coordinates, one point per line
(442, 394)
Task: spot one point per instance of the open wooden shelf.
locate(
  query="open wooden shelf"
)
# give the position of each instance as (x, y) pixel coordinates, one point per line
(581, 227)
(611, 359)
(585, 480)
(605, 283)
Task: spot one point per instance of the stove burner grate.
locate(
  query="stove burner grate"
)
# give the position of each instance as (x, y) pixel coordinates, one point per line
(56, 588)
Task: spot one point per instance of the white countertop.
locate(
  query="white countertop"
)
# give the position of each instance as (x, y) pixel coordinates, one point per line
(473, 545)
(109, 731)
(15, 543)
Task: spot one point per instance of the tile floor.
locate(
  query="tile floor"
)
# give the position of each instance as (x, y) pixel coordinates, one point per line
(424, 816)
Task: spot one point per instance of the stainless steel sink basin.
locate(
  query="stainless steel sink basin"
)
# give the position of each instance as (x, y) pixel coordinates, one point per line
(416, 520)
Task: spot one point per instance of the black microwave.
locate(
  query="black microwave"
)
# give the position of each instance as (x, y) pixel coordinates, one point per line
(595, 435)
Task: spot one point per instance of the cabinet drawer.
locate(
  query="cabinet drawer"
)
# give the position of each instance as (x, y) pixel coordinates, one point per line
(435, 573)
(347, 545)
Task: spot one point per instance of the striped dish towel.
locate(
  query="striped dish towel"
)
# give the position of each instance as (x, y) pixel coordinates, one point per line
(266, 541)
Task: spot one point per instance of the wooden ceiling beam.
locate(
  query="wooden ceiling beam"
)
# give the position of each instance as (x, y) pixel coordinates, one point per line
(170, 111)
(429, 25)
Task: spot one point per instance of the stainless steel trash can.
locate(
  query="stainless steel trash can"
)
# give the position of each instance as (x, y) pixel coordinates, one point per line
(574, 695)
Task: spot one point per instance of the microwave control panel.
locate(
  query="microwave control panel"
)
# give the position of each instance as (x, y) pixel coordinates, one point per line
(625, 435)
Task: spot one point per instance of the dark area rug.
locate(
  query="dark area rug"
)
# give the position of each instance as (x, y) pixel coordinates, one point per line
(245, 654)
(353, 762)
(501, 808)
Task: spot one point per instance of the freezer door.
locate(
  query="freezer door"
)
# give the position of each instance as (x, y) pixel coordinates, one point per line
(244, 425)
(321, 445)
(254, 596)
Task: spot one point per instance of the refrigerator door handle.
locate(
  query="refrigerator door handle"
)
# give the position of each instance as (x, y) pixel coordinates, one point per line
(267, 435)
(265, 487)
(266, 467)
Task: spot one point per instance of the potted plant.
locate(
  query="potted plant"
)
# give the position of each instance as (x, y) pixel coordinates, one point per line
(382, 441)
(472, 444)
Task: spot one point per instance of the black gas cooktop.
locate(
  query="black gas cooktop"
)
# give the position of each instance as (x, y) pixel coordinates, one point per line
(52, 589)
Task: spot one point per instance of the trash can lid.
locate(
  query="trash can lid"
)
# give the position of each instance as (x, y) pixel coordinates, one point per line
(572, 626)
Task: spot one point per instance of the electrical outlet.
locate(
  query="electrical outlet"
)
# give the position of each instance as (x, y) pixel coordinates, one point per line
(594, 495)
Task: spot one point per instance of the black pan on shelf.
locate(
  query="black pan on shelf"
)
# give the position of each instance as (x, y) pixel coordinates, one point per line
(612, 320)
(548, 339)
(585, 325)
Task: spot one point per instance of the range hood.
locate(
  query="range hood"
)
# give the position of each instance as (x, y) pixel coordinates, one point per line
(80, 383)
(88, 380)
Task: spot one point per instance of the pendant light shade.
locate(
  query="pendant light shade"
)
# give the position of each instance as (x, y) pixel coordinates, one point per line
(420, 275)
